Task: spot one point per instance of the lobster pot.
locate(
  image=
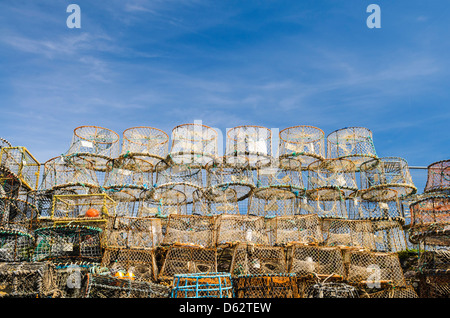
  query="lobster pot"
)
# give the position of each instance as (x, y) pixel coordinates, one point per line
(434, 259)
(360, 209)
(271, 201)
(22, 164)
(438, 178)
(231, 173)
(332, 208)
(10, 184)
(77, 208)
(141, 262)
(207, 285)
(133, 232)
(397, 292)
(68, 172)
(126, 199)
(95, 143)
(25, 279)
(102, 286)
(215, 201)
(147, 143)
(282, 173)
(321, 261)
(15, 246)
(163, 202)
(71, 280)
(294, 228)
(389, 234)
(17, 214)
(4, 143)
(251, 142)
(186, 259)
(434, 284)
(266, 285)
(252, 259)
(348, 233)
(375, 269)
(128, 171)
(333, 290)
(190, 229)
(233, 229)
(194, 144)
(352, 143)
(304, 143)
(332, 173)
(68, 243)
(387, 172)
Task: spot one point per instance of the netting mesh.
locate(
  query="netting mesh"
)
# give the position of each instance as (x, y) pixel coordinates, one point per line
(17, 214)
(190, 229)
(15, 246)
(24, 279)
(389, 234)
(387, 172)
(359, 208)
(215, 201)
(70, 281)
(304, 143)
(208, 285)
(283, 172)
(10, 185)
(331, 208)
(22, 164)
(252, 259)
(332, 290)
(343, 232)
(438, 178)
(272, 201)
(233, 229)
(97, 141)
(434, 284)
(432, 213)
(294, 228)
(268, 285)
(353, 143)
(102, 286)
(164, 201)
(129, 171)
(397, 292)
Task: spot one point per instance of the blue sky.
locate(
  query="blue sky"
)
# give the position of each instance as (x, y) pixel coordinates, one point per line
(270, 63)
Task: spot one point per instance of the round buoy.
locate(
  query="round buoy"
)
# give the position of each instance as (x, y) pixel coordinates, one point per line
(92, 213)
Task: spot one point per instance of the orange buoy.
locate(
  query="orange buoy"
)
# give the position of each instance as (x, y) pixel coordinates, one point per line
(92, 213)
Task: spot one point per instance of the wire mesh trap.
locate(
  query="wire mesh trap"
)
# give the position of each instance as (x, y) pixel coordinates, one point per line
(163, 201)
(294, 228)
(438, 178)
(267, 285)
(15, 246)
(68, 244)
(280, 173)
(389, 234)
(392, 292)
(272, 201)
(129, 171)
(233, 229)
(331, 207)
(333, 290)
(434, 283)
(197, 230)
(25, 279)
(10, 185)
(252, 259)
(304, 143)
(353, 143)
(103, 286)
(207, 285)
(349, 233)
(184, 259)
(359, 208)
(17, 214)
(387, 173)
(215, 201)
(23, 164)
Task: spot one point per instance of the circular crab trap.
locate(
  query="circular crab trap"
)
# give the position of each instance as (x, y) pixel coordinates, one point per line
(304, 143)
(181, 259)
(22, 164)
(17, 214)
(146, 143)
(386, 173)
(68, 244)
(438, 178)
(232, 229)
(196, 230)
(207, 285)
(251, 142)
(103, 286)
(252, 259)
(352, 143)
(281, 173)
(389, 234)
(128, 172)
(163, 202)
(127, 200)
(10, 184)
(133, 232)
(348, 233)
(377, 270)
(215, 201)
(321, 262)
(68, 172)
(430, 219)
(294, 228)
(268, 285)
(333, 207)
(138, 264)
(333, 290)
(339, 174)
(270, 201)
(194, 144)
(377, 208)
(15, 245)
(231, 172)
